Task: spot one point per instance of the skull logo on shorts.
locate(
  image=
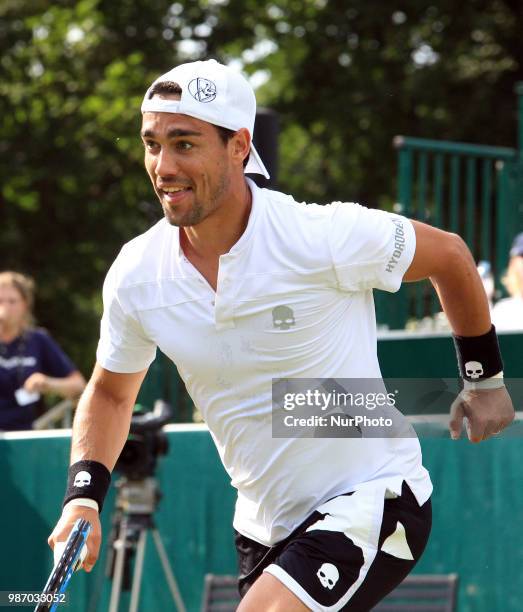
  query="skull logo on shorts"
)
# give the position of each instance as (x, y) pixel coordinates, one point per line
(328, 575)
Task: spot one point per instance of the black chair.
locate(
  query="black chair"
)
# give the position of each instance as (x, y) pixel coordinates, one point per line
(220, 593)
(421, 593)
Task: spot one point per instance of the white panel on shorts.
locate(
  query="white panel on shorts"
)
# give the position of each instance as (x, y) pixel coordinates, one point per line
(359, 517)
(396, 544)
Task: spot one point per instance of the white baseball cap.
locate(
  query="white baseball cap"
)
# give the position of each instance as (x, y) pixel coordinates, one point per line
(214, 93)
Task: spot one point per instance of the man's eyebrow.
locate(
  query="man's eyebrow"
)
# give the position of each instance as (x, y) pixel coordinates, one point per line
(174, 133)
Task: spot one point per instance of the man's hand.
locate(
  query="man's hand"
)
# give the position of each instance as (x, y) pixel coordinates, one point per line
(65, 524)
(487, 412)
(37, 383)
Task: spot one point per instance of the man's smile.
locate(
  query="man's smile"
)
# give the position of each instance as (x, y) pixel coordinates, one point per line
(174, 194)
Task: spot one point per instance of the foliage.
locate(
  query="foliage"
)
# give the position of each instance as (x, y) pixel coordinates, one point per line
(345, 78)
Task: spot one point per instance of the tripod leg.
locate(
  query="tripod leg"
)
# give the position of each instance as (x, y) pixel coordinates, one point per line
(138, 568)
(171, 580)
(121, 551)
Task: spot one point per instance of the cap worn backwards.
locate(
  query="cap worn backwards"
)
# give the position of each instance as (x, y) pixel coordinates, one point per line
(214, 93)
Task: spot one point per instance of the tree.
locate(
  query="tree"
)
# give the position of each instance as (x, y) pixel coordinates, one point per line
(345, 78)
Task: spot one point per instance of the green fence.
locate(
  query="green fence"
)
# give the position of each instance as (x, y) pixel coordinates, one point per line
(478, 498)
(475, 191)
(477, 503)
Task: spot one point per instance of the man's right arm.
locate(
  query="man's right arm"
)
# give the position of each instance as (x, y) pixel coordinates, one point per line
(100, 429)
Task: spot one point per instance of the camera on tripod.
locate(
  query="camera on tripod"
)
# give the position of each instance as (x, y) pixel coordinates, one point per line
(137, 497)
(145, 443)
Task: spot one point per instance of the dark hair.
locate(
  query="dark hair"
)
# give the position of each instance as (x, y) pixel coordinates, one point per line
(173, 89)
(165, 87)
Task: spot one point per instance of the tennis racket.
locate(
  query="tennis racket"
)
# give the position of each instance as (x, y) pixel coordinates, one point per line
(67, 564)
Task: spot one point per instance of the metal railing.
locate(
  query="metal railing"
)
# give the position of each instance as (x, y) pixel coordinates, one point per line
(57, 417)
(473, 190)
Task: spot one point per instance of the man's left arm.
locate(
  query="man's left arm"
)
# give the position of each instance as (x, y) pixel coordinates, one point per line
(445, 259)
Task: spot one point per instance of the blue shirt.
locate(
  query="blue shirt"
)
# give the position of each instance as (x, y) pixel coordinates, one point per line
(33, 351)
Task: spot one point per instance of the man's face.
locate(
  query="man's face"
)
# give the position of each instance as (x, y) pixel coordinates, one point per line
(188, 164)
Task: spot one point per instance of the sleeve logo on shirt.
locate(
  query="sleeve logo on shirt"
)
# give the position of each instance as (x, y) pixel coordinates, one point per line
(399, 244)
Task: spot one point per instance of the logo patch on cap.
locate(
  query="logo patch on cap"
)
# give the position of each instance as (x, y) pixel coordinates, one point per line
(202, 90)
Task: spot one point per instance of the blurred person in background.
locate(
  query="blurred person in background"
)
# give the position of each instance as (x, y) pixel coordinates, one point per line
(508, 313)
(31, 362)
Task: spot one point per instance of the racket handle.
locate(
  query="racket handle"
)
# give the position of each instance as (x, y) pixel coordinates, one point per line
(63, 570)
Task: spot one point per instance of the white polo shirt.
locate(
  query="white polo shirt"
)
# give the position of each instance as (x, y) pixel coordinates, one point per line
(321, 262)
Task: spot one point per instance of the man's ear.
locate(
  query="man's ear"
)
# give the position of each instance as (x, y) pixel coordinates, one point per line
(241, 145)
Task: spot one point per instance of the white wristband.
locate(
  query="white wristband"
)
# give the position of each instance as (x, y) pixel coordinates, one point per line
(83, 501)
(494, 382)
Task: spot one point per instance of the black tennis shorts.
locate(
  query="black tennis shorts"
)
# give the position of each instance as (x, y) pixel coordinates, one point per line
(347, 555)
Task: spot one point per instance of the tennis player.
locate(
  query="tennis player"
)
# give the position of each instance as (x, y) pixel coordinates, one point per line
(239, 286)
